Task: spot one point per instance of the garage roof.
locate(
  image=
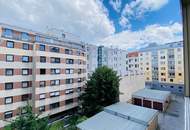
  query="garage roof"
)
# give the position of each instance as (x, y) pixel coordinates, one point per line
(120, 116)
(106, 121)
(152, 94)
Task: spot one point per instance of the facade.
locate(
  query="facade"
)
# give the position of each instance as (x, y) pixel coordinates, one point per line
(113, 58)
(154, 99)
(132, 63)
(122, 116)
(92, 58)
(43, 70)
(162, 67)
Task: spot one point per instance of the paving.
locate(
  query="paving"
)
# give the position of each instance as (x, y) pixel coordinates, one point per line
(173, 118)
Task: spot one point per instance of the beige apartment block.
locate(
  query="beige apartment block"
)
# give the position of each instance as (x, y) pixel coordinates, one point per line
(47, 71)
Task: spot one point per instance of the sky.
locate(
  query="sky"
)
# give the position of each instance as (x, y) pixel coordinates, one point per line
(126, 24)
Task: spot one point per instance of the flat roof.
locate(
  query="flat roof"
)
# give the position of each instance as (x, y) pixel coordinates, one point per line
(106, 121)
(136, 113)
(152, 94)
(120, 116)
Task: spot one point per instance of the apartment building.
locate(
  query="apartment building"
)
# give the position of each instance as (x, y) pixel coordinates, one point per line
(132, 63)
(162, 66)
(92, 58)
(113, 58)
(46, 71)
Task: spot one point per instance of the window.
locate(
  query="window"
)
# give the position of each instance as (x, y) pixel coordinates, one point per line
(69, 101)
(8, 114)
(55, 71)
(79, 80)
(162, 57)
(10, 44)
(8, 86)
(9, 72)
(25, 46)
(25, 58)
(42, 71)
(25, 36)
(54, 105)
(42, 47)
(80, 71)
(78, 53)
(54, 49)
(69, 71)
(55, 60)
(171, 80)
(25, 84)
(8, 100)
(69, 61)
(68, 51)
(163, 79)
(7, 33)
(54, 94)
(38, 38)
(41, 108)
(42, 96)
(180, 87)
(68, 91)
(26, 97)
(25, 71)
(9, 58)
(54, 82)
(42, 83)
(163, 74)
(42, 59)
(179, 74)
(79, 89)
(69, 81)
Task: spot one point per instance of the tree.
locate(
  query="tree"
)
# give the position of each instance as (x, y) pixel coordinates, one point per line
(102, 90)
(28, 121)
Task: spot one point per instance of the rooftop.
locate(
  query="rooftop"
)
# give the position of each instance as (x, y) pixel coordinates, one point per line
(106, 121)
(152, 94)
(120, 116)
(138, 114)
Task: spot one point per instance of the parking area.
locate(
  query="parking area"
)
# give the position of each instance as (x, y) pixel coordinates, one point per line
(173, 118)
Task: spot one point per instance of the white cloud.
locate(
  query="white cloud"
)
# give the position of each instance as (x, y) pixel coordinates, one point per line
(116, 5)
(138, 8)
(86, 18)
(155, 33)
(124, 22)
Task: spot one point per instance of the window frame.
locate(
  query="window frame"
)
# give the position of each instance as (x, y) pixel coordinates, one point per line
(8, 98)
(25, 46)
(7, 44)
(7, 55)
(6, 88)
(8, 70)
(25, 70)
(9, 113)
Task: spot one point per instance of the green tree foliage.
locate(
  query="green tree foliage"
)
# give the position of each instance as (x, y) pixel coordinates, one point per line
(28, 121)
(102, 90)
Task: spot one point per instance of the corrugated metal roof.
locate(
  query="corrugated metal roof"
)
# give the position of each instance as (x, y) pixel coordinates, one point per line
(106, 121)
(135, 113)
(152, 94)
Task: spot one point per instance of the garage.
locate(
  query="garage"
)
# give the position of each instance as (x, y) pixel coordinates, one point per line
(137, 101)
(158, 106)
(151, 98)
(147, 103)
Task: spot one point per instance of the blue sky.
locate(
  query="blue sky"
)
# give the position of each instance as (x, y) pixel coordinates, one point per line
(168, 13)
(126, 24)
